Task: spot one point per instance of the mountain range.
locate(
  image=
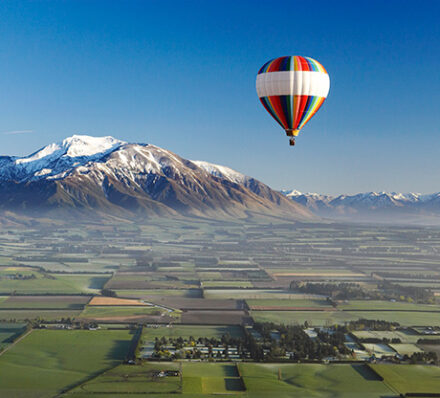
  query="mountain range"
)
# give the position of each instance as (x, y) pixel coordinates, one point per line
(372, 206)
(106, 177)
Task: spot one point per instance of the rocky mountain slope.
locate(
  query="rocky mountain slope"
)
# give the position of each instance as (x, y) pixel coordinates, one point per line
(105, 176)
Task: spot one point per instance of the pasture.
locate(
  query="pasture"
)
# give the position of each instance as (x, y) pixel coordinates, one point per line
(280, 294)
(405, 379)
(43, 314)
(44, 302)
(294, 304)
(211, 378)
(40, 283)
(322, 318)
(155, 293)
(48, 361)
(133, 380)
(310, 380)
(9, 331)
(377, 305)
(108, 311)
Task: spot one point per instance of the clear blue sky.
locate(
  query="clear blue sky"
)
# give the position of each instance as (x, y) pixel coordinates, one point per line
(181, 75)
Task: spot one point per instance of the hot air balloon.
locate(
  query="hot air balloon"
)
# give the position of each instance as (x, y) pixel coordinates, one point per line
(292, 89)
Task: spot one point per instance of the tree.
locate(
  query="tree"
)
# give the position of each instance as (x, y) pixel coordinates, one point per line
(108, 293)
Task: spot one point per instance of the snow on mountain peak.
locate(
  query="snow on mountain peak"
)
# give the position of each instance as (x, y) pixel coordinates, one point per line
(84, 145)
(75, 146)
(56, 157)
(221, 171)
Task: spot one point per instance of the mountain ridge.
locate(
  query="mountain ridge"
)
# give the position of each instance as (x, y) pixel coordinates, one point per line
(369, 205)
(104, 175)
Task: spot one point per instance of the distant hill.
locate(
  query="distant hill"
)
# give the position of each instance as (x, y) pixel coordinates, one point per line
(372, 206)
(106, 177)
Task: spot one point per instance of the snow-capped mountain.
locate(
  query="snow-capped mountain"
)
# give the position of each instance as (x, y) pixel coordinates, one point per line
(111, 176)
(55, 159)
(369, 205)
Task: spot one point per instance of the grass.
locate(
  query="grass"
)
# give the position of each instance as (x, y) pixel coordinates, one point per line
(7, 330)
(48, 315)
(53, 284)
(319, 318)
(410, 378)
(378, 305)
(133, 379)
(405, 336)
(307, 303)
(47, 361)
(211, 378)
(245, 284)
(312, 380)
(137, 293)
(118, 311)
(42, 302)
(252, 294)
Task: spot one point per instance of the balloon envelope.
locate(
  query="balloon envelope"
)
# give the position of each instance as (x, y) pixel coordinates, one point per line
(292, 89)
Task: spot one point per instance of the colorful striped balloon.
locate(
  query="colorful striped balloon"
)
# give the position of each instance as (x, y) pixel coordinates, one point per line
(292, 89)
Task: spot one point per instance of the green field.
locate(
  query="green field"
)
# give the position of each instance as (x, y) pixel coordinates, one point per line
(53, 284)
(307, 303)
(310, 380)
(93, 311)
(211, 378)
(138, 293)
(243, 284)
(45, 302)
(48, 315)
(8, 330)
(320, 318)
(133, 379)
(47, 361)
(377, 305)
(253, 294)
(410, 378)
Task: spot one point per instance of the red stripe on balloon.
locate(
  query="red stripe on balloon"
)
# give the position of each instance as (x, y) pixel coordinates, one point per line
(275, 65)
(302, 105)
(278, 109)
(304, 64)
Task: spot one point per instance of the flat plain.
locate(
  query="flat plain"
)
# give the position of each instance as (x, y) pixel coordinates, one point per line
(209, 279)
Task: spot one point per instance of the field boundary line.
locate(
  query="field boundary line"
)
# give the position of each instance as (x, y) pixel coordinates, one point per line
(16, 341)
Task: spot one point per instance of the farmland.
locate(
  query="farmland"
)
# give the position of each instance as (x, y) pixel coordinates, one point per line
(217, 291)
(410, 378)
(312, 380)
(47, 361)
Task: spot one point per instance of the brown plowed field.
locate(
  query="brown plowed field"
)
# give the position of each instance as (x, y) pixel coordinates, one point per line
(101, 301)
